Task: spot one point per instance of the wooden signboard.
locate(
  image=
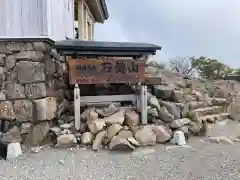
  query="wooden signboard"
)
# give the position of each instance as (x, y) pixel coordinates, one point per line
(104, 71)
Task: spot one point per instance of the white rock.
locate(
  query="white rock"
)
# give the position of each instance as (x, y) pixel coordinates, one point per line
(14, 150)
(179, 138)
(65, 126)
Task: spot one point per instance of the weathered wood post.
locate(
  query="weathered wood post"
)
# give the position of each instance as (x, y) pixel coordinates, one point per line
(143, 97)
(77, 112)
(138, 97)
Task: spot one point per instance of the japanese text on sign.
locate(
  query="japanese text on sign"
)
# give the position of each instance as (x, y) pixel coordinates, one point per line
(92, 71)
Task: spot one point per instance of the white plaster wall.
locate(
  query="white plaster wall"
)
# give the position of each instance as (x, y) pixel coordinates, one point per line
(37, 18)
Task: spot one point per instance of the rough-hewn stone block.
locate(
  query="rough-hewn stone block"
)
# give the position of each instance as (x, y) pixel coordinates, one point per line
(41, 46)
(10, 62)
(2, 95)
(15, 46)
(37, 134)
(23, 110)
(46, 108)
(6, 110)
(18, 46)
(30, 56)
(36, 90)
(50, 65)
(2, 58)
(11, 76)
(2, 75)
(30, 72)
(15, 91)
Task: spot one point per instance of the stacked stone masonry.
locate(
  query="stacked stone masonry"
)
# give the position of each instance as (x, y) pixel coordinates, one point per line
(31, 89)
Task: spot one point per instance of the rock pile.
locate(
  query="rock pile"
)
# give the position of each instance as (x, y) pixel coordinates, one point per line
(113, 127)
(169, 109)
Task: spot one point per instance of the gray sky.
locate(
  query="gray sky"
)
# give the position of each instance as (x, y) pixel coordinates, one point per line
(182, 27)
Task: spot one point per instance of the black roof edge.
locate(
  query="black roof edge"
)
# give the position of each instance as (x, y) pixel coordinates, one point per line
(105, 10)
(79, 45)
(119, 49)
(106, 53)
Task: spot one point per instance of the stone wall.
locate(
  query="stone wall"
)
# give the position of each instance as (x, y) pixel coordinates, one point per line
(32, 87)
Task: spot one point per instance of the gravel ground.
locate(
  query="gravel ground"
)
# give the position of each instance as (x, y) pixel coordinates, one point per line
(199, 161)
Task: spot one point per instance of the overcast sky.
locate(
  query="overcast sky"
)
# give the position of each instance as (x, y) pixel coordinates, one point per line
(182, 27)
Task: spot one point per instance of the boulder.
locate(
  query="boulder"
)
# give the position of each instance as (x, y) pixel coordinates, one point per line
(218, 101)
(195, 128)
(118, 143)
(97, 143)
(92, 116)
(116, 118)
(234, 109)
(162, 135)
(165, 115)
(113, 130)
(96, 125)
(177, 96)
(179, 123)
(162, 91)
(111, 109)
(86, 114)
(131, 118)
(125, 134)
(196, 104)
(87, 138)
(146, 136)
(37, 134)
(198, 95)
(152, 112)
(172, 108)
(153, 102)
(66, 141)
(12, 136)
(26, 127)
(189, 98)
(185, 110)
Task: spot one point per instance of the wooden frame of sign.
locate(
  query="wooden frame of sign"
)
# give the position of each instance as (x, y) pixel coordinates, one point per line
(104, 71)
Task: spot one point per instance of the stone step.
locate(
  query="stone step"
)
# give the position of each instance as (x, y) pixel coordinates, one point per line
(208, 110)
(196, 104)
(215, 117)
(218, 101)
